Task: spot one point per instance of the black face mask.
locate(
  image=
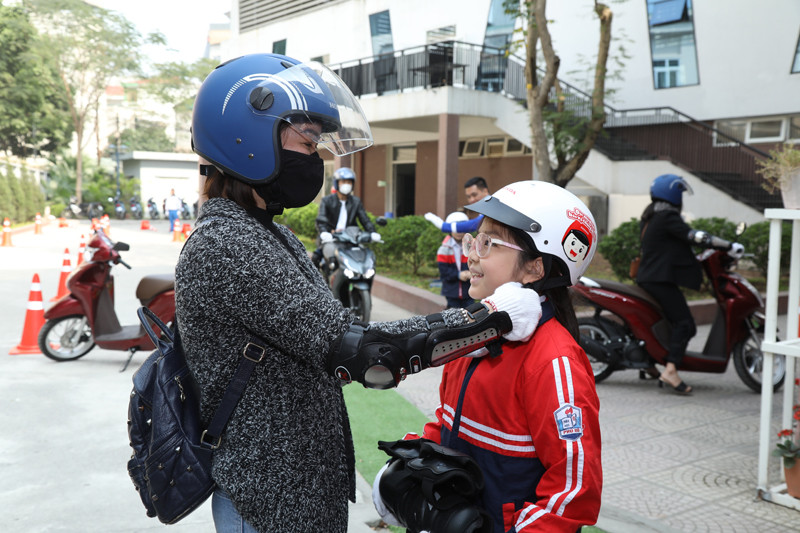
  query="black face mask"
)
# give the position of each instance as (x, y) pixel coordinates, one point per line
(298, 183)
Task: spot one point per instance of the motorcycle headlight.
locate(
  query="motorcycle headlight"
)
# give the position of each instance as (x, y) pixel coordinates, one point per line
(349, 274)
(369, 273)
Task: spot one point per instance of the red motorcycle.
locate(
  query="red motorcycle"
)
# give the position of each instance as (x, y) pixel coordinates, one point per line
(85, 317)
(628, 328)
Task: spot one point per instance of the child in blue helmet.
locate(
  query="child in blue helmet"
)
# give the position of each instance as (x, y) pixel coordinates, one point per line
(285, 462)
(453, 269)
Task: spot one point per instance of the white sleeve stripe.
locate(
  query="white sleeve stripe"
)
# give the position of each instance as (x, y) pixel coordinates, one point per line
(568, 373)
(579, 482)
(520, 525)
(495, 443)
(466, 421)
(570, 459)
(559, 387)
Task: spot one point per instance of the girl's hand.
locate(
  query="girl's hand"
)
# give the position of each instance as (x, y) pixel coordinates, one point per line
(523, 306)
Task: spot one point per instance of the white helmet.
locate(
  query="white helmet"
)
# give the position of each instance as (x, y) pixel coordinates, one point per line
(456, 216)
(558, 223)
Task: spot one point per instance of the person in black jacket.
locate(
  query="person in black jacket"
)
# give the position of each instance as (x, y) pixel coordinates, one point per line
(669, 263)
(339, 210)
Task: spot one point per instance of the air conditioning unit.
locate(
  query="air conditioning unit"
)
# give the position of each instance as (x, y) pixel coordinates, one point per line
(495, 147)
(472, 148)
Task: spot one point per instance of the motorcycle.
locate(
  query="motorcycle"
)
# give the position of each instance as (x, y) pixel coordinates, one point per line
(186, 211)
(135, 207)
(352, 270)
(119, 208)
(85, 209)
(628, 330)
(86, 317)
(152, 209)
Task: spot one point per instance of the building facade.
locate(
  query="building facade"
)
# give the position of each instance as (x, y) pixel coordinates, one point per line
(702, 91)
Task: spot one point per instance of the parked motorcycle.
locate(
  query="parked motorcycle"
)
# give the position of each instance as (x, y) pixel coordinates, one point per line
(84, 209)
(353, 270)
(135, 207)
(152, 209)
(119, 208)
(629, 331)
(86, 317)
(186, 211)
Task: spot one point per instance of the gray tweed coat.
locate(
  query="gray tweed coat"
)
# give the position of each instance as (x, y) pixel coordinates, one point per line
(285, 453)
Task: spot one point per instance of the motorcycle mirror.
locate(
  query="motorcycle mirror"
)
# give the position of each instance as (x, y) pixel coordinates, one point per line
(740, 227)
(381, 221)
(121, 247)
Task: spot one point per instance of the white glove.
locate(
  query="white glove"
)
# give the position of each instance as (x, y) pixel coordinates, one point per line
(433, 219)
(387, 517)
(376, 237)
(523, 306)
(325, 236)
(736, 251)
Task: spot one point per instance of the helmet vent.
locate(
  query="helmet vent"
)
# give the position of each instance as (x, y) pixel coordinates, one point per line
(536, 227)
(286, 64)
(261, 98)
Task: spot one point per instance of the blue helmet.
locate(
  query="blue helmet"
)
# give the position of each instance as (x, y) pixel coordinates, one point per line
(242, 103)
(343, 173)
(669, 187)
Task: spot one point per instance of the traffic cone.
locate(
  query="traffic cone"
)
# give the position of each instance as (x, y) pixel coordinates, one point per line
(62, 223)
(66, 268)
(177, 236)
(145, 224)
(34, 320)
(6, 233)
(37, 227)
(187, 230)
(81, 251)
(95, 224)
(105, 220)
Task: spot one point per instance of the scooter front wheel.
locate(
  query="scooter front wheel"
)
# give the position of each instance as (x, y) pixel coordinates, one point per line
(594, 331)
(361, 304)
(748, 359)
(66, 338)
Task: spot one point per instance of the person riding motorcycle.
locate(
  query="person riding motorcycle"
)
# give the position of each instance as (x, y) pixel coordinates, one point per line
(668, 262)
(286, 462)
(336, 212)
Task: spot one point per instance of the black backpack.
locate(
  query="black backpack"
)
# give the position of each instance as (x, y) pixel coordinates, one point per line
(171, 461)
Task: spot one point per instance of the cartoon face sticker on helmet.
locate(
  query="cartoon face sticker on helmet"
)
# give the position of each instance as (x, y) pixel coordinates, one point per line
(578, 238)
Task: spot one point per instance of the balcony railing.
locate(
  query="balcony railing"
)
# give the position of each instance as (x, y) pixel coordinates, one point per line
(652, 133)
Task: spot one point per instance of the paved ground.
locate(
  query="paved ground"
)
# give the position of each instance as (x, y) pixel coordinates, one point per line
(671, 463)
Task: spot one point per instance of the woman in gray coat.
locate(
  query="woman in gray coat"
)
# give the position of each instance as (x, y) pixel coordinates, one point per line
(285, 462)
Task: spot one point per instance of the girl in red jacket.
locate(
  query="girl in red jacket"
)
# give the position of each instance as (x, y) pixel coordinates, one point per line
(528, 417)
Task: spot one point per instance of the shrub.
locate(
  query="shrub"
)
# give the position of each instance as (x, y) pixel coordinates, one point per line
(620, 246)
(756, 241)
(409, 240)
(301, 220)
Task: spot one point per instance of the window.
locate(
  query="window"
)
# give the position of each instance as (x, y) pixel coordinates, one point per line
(321, 59)
(730, 128)
(279, 47)
(796, 64)
(514, 147)
(380, 28)
(794, 128)
(499, 26)
(766, 131)
(495, 147)
(672, 43)
(471, 148)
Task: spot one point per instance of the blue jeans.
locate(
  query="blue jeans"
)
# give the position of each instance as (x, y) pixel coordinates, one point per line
(226, 518)
(173, 216)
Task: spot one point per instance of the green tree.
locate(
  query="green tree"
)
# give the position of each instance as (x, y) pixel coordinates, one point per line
(6, 203)
(146, 135)
(89, 45)
(552, 124)
(17, 194)
(34, 197)
(33, 111)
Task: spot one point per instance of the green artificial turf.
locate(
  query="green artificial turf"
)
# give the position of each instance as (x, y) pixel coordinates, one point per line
(378, 415)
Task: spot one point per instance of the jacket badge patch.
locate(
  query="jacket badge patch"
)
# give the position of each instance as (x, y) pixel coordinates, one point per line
(569, 422)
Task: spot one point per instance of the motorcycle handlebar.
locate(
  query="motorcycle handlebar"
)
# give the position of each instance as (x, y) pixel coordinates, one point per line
(123, 263)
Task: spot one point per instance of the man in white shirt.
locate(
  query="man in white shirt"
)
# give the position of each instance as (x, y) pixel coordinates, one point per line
(172, 205)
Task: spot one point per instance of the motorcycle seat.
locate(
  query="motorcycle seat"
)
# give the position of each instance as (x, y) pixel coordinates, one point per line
(154, 284)
(630, 290)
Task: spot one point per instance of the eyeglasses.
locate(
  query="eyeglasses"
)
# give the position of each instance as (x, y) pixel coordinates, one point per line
(483, 244)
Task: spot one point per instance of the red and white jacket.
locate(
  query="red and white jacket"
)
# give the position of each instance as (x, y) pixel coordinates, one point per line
(529, 417)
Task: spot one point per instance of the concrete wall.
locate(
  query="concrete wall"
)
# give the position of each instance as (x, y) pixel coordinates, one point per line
(159, 172)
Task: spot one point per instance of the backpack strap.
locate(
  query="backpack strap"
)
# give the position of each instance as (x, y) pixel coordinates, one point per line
(252, 354)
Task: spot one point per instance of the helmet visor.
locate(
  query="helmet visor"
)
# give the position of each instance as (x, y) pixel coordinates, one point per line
(681, 185)
(344, 127)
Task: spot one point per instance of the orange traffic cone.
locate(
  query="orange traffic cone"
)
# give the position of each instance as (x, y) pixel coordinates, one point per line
(187, 230)
(145, 224)
(6, 233)
(105, 220)
(81, 251)
(34, 320)
(177, 236)
(62, 223)
(37, 227)
(66, 268)
(95, 224)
